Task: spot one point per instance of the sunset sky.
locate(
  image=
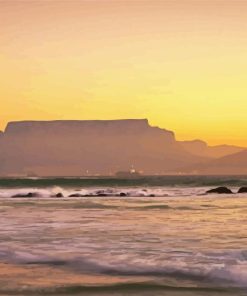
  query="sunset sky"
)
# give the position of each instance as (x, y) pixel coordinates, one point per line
(181, 64)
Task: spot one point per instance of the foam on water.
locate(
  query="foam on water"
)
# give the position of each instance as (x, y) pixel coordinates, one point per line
(99, 191)
(179, 235)
(228, 269)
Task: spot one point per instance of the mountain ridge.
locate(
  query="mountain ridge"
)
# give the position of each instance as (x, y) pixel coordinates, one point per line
(99, 147)
(232, 164)
(79, 147)
(201, 148)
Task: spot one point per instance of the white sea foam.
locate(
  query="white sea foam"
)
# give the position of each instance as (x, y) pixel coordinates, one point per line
(199, 238)
(232, 274)
(128, 191)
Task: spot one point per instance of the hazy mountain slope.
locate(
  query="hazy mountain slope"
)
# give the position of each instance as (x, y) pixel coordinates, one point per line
(228, 165)
(200, 148)
(79, 147)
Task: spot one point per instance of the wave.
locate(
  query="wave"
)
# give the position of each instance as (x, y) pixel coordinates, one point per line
(232, 275)
(94, 205)
(228, 270)
(95, 192)
(60, 192)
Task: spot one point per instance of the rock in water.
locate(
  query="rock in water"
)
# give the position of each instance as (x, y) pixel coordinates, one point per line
(242, 190)
(30, 194)
(220, 190)
(59, 194)
(122, 194)
(76, 195)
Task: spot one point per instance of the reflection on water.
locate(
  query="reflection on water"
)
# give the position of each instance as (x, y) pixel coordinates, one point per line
(122, 246)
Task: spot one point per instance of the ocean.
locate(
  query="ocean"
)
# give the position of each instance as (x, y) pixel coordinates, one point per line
(146, 236)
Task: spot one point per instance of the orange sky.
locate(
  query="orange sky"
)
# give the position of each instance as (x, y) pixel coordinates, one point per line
(181, 64)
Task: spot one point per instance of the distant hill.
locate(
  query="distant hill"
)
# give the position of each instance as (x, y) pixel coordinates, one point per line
(228, 165)
(201, 148)
(64, 148)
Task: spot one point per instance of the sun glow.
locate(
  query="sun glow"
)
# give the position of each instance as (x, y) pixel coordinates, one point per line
(181, 65)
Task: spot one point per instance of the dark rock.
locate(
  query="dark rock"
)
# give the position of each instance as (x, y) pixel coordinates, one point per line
(151, 195)
(76, 195)
(220, 190)
(59, 195)
(102, 194)
(30, 194)
(122, 194)
(242, 190)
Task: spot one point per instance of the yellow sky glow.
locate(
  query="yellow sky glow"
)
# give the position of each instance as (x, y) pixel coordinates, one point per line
(181, 64)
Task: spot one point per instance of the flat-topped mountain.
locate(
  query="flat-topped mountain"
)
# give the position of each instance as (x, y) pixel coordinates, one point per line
(73, 126)
(104, 147)
(89, 147)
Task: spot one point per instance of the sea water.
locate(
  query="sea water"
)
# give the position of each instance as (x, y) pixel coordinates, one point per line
(159, 239)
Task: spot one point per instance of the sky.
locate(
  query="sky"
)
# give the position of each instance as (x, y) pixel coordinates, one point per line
(181, 64)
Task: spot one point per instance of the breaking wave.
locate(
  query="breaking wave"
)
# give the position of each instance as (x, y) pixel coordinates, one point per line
(98, 192)
(228, 269)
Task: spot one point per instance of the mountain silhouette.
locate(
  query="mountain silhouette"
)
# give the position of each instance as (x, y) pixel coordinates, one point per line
(233, 164)
(104, 147)
(201, 148)
(54, 148)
